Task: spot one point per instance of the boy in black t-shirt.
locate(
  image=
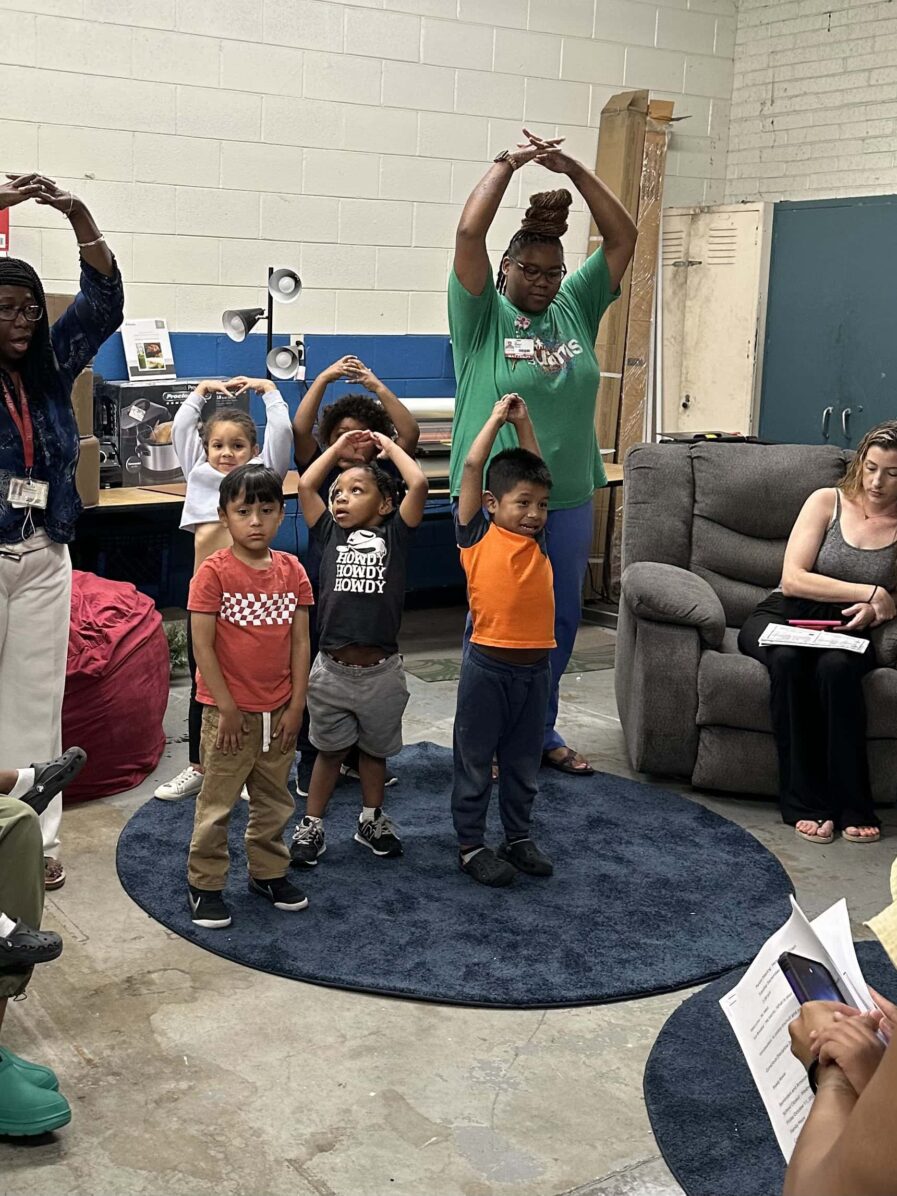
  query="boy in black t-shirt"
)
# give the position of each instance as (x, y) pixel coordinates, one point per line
(356, 690)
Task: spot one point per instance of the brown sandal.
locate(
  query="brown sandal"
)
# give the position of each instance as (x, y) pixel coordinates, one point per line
(566, 764)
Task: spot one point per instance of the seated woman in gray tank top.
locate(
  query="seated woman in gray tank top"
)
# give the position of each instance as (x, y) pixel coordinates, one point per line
(840, 563)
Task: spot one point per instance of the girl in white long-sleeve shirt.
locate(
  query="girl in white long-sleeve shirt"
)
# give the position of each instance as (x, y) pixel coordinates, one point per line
(206, 452)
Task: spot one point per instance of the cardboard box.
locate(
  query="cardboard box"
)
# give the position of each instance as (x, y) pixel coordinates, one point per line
(56, 305)
(82, 402)
(87, 475)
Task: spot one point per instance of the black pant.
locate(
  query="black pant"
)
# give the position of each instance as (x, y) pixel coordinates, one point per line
(500, 713)
(195, 709)
(818, 717)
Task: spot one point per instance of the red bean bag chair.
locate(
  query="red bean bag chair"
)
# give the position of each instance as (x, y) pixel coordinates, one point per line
(116, 686)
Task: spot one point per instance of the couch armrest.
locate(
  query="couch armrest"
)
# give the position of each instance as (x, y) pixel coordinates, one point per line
(884, 641)
(668, 594)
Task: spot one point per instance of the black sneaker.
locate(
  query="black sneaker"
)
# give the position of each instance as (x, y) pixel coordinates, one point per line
(487, 869)
(207, 908)
(23, 947)
(379, 834)
(51, 778)
(526, 857)
(352, 773)
(308, 842)
(279, 892)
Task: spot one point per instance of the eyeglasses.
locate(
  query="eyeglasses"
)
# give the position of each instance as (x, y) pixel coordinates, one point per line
(31, 311)
(531, 273)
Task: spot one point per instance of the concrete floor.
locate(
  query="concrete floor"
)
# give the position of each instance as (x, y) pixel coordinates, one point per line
(188, 1074)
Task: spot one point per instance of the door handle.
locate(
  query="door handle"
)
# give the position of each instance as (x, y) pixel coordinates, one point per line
(845, 416)
(826, 419)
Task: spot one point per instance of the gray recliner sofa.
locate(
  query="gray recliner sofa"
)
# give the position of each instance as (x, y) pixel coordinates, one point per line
(704, 535)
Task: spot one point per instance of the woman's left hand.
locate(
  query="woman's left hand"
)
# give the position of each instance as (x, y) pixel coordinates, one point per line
(52, 196)
(859, 616)
(549, 155)
(814, 1017)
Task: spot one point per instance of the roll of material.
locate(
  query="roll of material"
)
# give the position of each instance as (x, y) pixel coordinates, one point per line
(431, 408)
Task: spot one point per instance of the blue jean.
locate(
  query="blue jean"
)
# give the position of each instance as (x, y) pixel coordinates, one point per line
(500, 713)
(569, 536)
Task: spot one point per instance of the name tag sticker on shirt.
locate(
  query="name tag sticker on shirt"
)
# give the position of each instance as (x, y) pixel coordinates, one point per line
(26, 492)
(520, 348)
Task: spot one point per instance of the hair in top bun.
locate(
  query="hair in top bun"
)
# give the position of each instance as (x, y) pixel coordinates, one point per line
(545, 223)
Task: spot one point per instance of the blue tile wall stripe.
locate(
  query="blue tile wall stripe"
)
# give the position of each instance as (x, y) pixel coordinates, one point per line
(412, 365)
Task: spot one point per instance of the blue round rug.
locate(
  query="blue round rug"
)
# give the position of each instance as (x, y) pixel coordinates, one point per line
(651, 892)
(705, 1110)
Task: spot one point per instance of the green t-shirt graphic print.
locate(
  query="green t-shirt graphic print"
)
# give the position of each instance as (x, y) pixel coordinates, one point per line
(559, 384)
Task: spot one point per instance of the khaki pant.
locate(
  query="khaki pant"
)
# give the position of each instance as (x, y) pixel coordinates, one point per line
(264, 773)
(35, 608)
(21, 877)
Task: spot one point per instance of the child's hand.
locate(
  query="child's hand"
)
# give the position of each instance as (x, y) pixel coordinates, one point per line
(517, 410)
(210, 386)
(350, 442)
(337, 369)
(357, 371)
(232, 726)
(241, 384)
(385, 444)
(288, 728)
(501, 409)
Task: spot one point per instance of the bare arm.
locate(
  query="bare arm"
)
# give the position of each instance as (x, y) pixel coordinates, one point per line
(471, 259)
(518, 415)
(291, 719)
(406, 426)
(798, 578)
(617, 228)
(470, 496)
(307, 414)
(312, 479)
(412, 506)
(202, 628)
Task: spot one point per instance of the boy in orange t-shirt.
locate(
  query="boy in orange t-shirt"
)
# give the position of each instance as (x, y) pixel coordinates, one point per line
(249, 611)
(505, 674)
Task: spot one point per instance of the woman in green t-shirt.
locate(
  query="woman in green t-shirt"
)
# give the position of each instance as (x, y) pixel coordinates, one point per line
(533, 332)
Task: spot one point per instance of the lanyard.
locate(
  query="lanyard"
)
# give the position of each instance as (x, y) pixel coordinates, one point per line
(22, 422)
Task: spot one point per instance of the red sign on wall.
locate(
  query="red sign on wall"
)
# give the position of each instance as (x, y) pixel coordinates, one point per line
(4, 231)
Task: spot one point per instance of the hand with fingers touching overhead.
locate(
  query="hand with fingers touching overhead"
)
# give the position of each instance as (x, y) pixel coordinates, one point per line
(47, 192)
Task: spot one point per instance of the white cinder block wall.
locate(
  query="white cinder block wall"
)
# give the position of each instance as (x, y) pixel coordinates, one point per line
(814, 107)
(215, 137)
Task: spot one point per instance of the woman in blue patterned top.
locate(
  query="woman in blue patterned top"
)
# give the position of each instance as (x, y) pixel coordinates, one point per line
(39, 504)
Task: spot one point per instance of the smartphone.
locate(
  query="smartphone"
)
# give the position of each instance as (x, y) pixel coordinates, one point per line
(817, 624)
(810, 980)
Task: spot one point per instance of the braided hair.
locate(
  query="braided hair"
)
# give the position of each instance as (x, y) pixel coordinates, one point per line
(38, 368)
(545, 223)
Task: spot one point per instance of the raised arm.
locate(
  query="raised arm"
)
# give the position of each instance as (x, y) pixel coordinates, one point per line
(412, 505)
(91, 241)
(471, 259)
(406, 426)
(185, 436)
(312, 479)
(617, 228)
(470, 496)
(519, 416)
(307, 412)
(277, 451)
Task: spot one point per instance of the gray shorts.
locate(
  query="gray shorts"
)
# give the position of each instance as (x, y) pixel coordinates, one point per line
(349, 703)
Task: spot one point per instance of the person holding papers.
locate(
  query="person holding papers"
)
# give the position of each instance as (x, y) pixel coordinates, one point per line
(840, 569)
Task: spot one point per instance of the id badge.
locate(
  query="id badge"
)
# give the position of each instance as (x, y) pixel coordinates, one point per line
(28, 492)
(520, 348)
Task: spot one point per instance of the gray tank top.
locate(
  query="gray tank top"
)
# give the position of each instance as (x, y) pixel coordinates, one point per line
(842, 561)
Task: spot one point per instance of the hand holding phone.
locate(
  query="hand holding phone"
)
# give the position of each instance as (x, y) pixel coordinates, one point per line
(811, 980)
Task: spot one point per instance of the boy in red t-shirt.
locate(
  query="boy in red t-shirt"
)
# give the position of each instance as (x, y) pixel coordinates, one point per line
(249, 615)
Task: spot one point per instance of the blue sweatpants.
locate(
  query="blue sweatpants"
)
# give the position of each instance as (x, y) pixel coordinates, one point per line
(569, 537)
(500, 713)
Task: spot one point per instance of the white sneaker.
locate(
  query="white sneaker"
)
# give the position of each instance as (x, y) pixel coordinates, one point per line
(186, 784)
